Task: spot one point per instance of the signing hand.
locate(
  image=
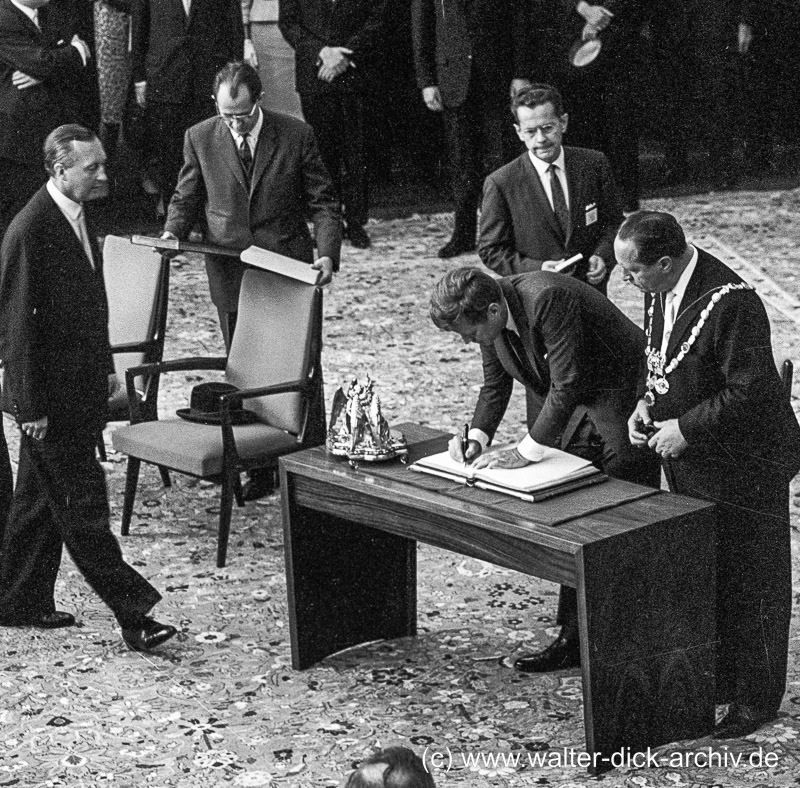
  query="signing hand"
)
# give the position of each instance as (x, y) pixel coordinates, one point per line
(35, 429)
(597, 270)
(432, 98)
(638, 424)
(324, 264)
(508, 458)
(474, 449)
(20, 80)
(668, 442)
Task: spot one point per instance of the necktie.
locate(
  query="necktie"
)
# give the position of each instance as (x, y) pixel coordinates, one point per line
(669, 320)
(560, 208)
(245, 154)
(83, 236)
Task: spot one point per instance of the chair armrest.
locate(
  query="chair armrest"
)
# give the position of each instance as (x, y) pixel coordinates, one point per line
(160, 367)
(132, 347)
(265, 391)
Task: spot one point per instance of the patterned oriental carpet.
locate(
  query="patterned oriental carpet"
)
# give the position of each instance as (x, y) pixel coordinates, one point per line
(220, 704)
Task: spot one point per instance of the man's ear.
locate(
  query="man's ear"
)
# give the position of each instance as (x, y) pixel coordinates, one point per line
(564, 122)
(666, 263)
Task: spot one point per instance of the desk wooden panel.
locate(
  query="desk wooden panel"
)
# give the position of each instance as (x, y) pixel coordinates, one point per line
(643, 569)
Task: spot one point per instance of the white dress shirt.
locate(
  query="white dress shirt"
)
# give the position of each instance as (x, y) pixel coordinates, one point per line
(677, 294)
(252, 136)
(542, 169)
(74, 214)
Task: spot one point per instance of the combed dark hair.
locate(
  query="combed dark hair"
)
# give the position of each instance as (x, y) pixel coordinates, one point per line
(464, 293)
(59, 149)
(655, 234)
(236, 74)
(404, 769)
(535, 96)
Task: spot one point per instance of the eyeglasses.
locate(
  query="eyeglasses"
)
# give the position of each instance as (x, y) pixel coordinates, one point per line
(548, 130)
(232, 117)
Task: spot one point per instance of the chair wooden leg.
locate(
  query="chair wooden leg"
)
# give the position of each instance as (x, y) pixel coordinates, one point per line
(225, 511)
(131, 480)
(101, 447)
(165, 480)
(237, 490)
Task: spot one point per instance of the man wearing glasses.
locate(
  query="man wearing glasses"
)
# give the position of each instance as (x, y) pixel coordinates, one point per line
(552, 202)
(253, 177)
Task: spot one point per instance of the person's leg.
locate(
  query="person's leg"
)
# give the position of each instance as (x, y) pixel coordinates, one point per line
(355, 183)
(6, 482)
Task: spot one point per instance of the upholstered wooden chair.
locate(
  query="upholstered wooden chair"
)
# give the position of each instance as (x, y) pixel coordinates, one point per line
(274, 360)
(137, 287)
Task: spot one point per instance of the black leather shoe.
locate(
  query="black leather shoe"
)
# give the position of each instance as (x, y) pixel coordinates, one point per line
(357, 235)
(148, 635)
(561, 653)
(739, 722)
(457, 245)
(259, 485)
(52, 620)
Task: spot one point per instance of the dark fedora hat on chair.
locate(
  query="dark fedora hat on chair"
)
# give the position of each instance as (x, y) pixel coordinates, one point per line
(205, 405)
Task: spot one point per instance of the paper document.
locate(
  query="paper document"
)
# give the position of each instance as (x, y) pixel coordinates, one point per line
(279, 264)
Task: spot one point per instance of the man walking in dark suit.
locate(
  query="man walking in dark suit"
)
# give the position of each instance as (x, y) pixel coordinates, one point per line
(713, 408)
(336, 44)
(58, 373)
(467, 55)
(572, 348)
(176, 48)
(255, 177)
(550, 203)
(42, 63)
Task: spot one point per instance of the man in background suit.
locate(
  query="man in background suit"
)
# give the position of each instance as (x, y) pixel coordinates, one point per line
(551, 202)
(42, 65)
(335, 48)
(571, 347)
(58, 374)
(254, 177)
(176, 48)
(713, 407)
(467, 55)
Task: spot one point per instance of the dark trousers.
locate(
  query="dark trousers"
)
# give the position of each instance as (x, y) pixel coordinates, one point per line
(6, 482)
(475, 136)
(754, 577)
(339, 124)
(61, 499)
(166, 126)
(20, 181)
(601, 435)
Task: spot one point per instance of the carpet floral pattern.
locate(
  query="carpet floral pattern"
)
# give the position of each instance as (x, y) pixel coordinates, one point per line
(220, 704)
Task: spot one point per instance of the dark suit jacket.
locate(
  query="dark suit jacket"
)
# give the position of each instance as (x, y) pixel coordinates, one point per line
(178, 57)
(726, 392)
(578, 347)
(289, 185)
(28, 116)
(459, 44)
(53, 323)
(518, 229)
(310, 25)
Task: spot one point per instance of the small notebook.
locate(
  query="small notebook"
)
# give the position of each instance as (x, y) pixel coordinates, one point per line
(556, 472)
(279, 264)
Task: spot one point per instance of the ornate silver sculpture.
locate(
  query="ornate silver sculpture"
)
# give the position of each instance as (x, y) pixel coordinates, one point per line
(358, 429)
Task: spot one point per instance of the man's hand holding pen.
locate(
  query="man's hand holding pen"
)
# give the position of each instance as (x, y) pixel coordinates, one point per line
(462, 448)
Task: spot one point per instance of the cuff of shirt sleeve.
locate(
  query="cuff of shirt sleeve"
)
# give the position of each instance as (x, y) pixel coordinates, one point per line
(530, 449)
(480, 436)
(81, 51)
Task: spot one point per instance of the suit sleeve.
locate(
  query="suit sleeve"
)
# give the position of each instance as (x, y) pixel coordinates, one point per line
(496, 242)
(20, 336)
(140, 39)
(742, 357)
(42, 62)
(189, 198)
(291, 23)
(368, 39)
(323, 206)
(610, 216)
(423, 39)
(494, 395)
(559, 322)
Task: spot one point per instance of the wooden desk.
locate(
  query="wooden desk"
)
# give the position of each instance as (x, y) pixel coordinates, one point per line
(642, 562)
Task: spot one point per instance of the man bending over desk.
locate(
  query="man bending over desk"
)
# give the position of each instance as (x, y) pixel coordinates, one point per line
(576, 352)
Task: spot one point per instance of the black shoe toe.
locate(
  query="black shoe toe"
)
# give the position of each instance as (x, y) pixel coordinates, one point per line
(148, 635)
(560, 654)
(456, 246)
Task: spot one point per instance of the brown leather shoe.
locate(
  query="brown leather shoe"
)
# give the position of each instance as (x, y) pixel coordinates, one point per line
(563, 652)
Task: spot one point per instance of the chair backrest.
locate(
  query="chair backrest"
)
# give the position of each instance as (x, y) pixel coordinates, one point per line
(277, 337)
(137, 288)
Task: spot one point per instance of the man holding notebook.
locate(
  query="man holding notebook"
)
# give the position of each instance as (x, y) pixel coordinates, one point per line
(572, 349)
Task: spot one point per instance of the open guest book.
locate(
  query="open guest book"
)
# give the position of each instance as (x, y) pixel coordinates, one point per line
(557, 472)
